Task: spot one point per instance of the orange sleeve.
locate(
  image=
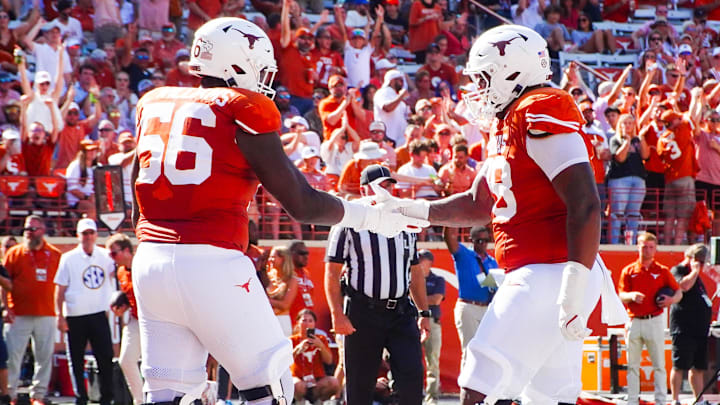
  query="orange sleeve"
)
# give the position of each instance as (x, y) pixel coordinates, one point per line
(415, 13)
(623, 283)
(552, 113)
(254, 112)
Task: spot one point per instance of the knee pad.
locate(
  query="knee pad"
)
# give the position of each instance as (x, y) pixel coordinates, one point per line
(280, 392)
(164, 384)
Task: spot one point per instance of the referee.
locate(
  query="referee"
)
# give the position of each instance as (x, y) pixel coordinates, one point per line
(379, 274)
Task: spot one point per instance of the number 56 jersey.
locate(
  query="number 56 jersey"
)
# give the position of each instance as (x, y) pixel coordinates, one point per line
(194, 185)
(539, 137)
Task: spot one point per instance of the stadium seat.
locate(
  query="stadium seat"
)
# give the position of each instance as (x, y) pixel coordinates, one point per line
(14, 186)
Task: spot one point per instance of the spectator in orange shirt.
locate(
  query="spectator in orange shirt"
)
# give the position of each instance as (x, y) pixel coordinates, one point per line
(165, 50)
(329, 61)
(38, 148)
(107, 136)
(180, 75)
(340, 100)
(368, 154)
(456, 175)
(436, 67)
(297, 64)
(31, 266)
(305, 297)
(412, 132)
(310, 355)
(677, 150)
(425, 23)
(639, 284)
(121, 250)
(74, 131)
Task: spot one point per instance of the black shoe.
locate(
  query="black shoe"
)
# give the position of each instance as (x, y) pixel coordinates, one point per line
(5, 399)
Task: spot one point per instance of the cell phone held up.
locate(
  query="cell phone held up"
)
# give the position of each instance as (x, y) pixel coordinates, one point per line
(310, 332)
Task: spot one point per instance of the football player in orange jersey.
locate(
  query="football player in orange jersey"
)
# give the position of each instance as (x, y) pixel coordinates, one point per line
(201, 154)
(539, 188)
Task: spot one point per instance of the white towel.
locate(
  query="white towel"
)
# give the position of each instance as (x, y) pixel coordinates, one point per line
(612, 310)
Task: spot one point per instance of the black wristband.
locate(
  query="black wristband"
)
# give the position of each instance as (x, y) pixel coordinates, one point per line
(424, 314)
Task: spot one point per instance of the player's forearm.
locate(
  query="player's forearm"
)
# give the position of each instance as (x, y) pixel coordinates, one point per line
(461, 210)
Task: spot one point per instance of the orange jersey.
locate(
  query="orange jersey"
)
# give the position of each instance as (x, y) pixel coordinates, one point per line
(597, 164)
(124, 277)
(653, 163)
(307, 362)
(194, 184)
(304, 297)
(677, 151)
(525, 198)
(32, 273)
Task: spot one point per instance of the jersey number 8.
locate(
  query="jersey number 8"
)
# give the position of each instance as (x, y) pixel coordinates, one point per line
(163, 158)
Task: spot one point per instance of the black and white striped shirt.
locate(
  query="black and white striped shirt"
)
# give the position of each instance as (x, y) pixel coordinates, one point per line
(376, 266)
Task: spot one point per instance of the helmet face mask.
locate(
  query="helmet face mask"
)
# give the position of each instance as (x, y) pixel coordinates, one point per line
(235, 51)
(503, 62)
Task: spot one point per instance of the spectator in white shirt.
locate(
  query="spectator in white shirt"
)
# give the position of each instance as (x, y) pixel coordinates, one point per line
(358, 50)
(70, 27)
(416, 167)
(79, 177)
(390, 107)
(338, 150)
(47, 55)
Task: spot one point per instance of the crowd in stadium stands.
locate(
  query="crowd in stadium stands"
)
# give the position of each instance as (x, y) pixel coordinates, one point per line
(365, 82)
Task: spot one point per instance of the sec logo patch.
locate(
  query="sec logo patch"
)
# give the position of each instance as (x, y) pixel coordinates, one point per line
(93, 277)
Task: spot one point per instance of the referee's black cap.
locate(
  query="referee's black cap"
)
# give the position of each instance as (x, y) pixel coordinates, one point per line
(374, 172)
(425, 254)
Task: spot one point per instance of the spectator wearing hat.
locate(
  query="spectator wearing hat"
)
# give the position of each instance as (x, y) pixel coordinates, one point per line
(689, 323)
(309, 164)
(297, 67)
(144, 86)
(369, 153)
(417, 167)
(69, 26)
(435, 289)
(38, 147)
(139, 67)
(180, 75)
(328, 61)
(104, 69)
(677, 150)
(107, 22)
(74, 131)
(31, 266)
(79, 176)
(337, 151)
(437, 68)
(358, 49)
(690, 69)
(390, 106)
(107, 133)
(425, 23)
(382, 66)
(165, 51)
(83, 290)
(298, 137)
(7, 93)
(50, 56)
(40, 101)
(341, 101)
(12, 111)
(124, 159)
(378, 134)
(11, 160)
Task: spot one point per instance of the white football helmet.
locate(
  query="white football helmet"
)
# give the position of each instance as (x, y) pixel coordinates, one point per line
(236, 51)
(502, 63)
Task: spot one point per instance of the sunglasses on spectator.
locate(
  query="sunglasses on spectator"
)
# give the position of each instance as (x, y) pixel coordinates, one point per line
(583, 19)
(302, 253)
(318, 97)
(577, 92)
(114, 115)
(31, 229)
(656, 39)
(676, 75)
(114, 253)
(284, 96)
(73, 112)
(168, 29)
(714, 119)
(107, 130)
(654, 92)
(12, 109)
(122, 79)
(444, 132)
(480, 240)
(142, 56)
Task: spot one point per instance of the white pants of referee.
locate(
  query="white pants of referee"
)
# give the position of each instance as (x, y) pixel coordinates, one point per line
(129, 358)
(195, 299)
(518, 350)
(42, 331)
